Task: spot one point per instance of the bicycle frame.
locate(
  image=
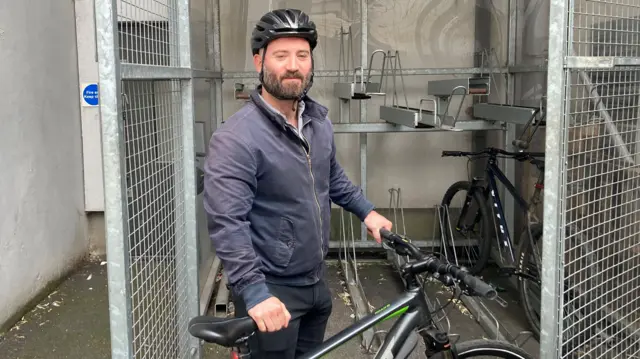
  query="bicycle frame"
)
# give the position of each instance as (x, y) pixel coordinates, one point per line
(413, 311)
(412, 308)
(493, 172)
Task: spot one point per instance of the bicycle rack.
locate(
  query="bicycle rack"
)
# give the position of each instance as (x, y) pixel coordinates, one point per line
(349, 267)
(498, 112)
(395, 206)
(358, 88)
(476, 306)
(440, 94)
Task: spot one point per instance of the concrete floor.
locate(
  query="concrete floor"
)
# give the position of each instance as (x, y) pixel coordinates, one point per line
(73, 321)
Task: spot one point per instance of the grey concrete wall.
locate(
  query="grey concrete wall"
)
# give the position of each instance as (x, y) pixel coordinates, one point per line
(434, 34)
(42, 221)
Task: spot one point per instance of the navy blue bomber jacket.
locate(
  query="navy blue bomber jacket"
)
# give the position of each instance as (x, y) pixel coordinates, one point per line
(268, 194)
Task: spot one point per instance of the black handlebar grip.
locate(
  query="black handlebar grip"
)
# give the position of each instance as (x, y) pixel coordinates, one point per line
(389, 236)
(480, 287)
(520, 144)
(451, 153)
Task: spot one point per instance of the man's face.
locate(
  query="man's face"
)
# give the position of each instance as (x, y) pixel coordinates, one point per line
(287, 67)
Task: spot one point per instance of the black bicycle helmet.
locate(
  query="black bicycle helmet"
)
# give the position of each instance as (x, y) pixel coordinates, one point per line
(283, 23)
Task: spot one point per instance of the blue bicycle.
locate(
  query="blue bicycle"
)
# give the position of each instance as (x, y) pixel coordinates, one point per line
(481, 218)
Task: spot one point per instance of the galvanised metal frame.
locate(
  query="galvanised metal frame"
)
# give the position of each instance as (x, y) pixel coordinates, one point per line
(405, 72)
(364, 59)
(111, 73)
(553, 235)
(114, 181)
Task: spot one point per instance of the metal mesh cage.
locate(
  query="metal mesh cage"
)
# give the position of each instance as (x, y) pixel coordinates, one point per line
(601, 212)
(593, 214)
(605, 28)
(148, 32)
(146, 90)
(156, 223)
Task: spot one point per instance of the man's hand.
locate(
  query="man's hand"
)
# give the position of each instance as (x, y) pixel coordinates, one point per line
(270, 315)
(374, 222)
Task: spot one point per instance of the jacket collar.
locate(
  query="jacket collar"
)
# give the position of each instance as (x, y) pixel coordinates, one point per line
(312, 109)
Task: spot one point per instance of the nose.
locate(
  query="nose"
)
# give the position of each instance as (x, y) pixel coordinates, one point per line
(292, 63)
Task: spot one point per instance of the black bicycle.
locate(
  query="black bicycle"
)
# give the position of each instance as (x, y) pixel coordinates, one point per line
(411, 308)
(482, 214)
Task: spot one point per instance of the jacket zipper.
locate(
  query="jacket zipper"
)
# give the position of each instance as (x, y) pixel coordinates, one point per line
(315, 195)
(313, 184)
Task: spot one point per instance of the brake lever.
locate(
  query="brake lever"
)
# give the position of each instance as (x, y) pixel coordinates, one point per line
(403, 251)
(445, 279)
(400, 250)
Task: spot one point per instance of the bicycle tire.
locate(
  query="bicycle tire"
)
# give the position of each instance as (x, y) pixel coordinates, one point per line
(524, 252)
(486, 347)
(484, 245)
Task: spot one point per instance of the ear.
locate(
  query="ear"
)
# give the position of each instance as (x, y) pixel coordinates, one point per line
(257, 61)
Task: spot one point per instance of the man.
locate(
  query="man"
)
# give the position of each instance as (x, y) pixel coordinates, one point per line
(271, 176)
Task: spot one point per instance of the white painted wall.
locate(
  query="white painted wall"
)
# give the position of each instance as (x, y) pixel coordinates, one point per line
(91, 140)
(42, 221)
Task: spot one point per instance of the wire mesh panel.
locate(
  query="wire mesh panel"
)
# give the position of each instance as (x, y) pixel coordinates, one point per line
(156, 221)
(605, 28)
(591, 261)
(149, 161)
(148, 32)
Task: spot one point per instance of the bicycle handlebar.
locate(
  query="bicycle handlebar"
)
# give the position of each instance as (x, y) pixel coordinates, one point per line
(492, 151)
(429, 263)
(520, 144)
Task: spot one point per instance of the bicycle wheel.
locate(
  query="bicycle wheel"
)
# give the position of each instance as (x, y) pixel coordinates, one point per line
(487, 348)
(473, 256)
(529, 290)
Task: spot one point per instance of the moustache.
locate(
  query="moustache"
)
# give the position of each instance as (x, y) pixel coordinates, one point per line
(296, 75)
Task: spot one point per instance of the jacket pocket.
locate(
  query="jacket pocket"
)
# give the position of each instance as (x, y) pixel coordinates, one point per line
(284, 244)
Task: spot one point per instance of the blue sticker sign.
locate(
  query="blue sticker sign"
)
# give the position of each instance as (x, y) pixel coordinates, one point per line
(90, 94)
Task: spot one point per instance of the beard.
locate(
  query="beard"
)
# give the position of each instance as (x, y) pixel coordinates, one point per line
(290, 90)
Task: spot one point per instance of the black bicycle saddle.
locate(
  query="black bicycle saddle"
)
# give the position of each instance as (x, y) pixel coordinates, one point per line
(221, 331)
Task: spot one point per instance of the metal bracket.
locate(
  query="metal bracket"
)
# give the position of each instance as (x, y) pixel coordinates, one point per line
(358, 88)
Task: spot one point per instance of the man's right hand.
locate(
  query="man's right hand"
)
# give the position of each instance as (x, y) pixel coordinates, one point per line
(270, 315)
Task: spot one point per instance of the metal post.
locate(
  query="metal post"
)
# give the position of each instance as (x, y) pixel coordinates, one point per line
(553, 233)
(211, 63)
(115, 208)
(189, 261)
(363, 105)
(510, 133)
(217, 63)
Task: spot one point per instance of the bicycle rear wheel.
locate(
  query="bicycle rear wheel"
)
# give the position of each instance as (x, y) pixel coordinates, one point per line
(475, 226)
(529, 290)
(488, 349)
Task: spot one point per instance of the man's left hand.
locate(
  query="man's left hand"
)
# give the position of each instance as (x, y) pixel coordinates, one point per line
(374, 222)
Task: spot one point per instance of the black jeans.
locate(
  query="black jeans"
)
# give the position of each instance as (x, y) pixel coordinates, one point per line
(310, 308)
